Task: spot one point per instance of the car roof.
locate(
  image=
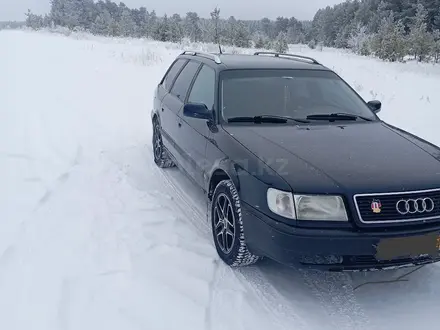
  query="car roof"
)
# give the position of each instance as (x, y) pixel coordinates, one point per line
(250, 61)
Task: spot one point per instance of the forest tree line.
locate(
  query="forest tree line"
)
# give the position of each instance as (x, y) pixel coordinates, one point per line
(11, 25)
(389, 29)
(108, 18)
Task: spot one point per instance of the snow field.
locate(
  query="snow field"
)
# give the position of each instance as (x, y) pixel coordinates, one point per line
(94, 236)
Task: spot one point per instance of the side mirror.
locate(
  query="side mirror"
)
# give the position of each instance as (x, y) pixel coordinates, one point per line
(376, 106)
(197, 110)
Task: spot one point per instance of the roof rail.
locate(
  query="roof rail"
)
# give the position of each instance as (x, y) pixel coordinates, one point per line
(210, 56)
(291, 56)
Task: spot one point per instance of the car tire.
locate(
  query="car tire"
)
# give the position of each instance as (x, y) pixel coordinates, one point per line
(227, 226)
(161, 157)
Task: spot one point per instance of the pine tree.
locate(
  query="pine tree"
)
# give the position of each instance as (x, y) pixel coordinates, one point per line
(126, 26)
(365, 49)
(259, 41)
(73, 13)
(242, 36)
(281, 25)
(433, 11)
(390, 43)
(343, 37)
(206, 31)
(47, 20)
(399, 48)
(88, 13)
(163, 31)
(152, 24)
(358, 40)
(216, 33)
(57, 12)
(436, 21)
(267, 27)
(176, 29)
(435, 46)
(317, 27)
(295, 31)
(231, 30)
(143, 22)
(104, 24)
(192, 27)
(280, 44)
(312, 44)
(34, 21)
(419, 38)
(364, 14)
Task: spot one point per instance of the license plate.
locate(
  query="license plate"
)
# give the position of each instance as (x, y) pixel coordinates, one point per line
(408, 247)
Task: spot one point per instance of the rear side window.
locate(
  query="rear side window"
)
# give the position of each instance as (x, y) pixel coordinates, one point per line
(203, 89)
(172, 73)
(181, 85)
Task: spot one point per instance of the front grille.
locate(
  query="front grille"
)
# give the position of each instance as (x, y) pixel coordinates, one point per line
(382, 208)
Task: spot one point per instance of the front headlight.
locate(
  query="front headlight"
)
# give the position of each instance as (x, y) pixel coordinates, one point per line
(320, 207)
(306, 207)
(281, 203)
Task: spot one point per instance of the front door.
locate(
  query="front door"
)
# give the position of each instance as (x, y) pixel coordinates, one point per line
(194, 133)
(175, 100)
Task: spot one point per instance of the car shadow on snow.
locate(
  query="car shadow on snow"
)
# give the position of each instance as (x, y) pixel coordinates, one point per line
(358, 300)
(401, 298)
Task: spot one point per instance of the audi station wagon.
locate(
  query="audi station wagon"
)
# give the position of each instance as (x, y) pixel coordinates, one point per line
(295, 165)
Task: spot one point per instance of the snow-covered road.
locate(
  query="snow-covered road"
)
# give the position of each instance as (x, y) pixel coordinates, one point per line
(94, 236)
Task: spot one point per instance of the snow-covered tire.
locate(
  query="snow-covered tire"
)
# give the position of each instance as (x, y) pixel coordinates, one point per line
(161, 157)
(233, 251)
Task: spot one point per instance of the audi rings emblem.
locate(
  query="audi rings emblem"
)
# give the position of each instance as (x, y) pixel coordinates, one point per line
(412, 206)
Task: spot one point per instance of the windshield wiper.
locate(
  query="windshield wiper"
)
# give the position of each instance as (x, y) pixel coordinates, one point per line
(337, 116)
(266, 119)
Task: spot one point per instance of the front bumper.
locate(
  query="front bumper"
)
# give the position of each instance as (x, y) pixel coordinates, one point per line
(335, 249)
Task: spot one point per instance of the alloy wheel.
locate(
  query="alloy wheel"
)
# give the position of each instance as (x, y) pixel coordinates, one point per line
(224, 223)
(157, 142)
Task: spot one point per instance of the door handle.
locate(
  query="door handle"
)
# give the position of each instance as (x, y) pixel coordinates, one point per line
(179, 124)
(163, 109)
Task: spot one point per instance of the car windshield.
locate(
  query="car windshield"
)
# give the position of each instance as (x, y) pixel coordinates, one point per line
(292, 93)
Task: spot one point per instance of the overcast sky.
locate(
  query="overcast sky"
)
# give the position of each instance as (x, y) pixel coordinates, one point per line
(247, 9)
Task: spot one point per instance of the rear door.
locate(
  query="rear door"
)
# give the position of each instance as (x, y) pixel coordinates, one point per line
(167, 113)
(194, 133)
(174, 101)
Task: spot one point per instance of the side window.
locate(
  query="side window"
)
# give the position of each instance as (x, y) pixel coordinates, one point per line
(203, 90)
(181, 85)
(172, 73)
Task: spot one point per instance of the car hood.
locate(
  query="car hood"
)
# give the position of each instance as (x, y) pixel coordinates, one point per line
(356, 157)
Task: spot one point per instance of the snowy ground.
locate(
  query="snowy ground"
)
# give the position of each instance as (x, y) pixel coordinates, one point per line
(94, 236)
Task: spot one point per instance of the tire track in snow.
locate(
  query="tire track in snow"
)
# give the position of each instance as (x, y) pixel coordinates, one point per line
(212, 285)
(64, 304)
(334, 291)
(6, 258)
(331, 292)
(335, 294)
(18, 156)
(285, 313)
(278, 309)
(60, 180)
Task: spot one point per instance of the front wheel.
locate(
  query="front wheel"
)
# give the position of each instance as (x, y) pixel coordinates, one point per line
(227, 226)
